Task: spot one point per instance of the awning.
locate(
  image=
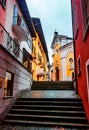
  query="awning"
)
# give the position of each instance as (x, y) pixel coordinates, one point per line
(40, 72)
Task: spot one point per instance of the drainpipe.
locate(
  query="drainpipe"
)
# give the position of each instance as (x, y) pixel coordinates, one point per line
(75, 78)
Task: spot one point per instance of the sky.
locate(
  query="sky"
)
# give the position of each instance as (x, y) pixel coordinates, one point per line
(55, 15)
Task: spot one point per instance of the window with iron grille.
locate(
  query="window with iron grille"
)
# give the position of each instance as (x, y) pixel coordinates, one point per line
(16, 48)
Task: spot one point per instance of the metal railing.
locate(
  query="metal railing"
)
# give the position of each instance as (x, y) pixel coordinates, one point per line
(13, 47)
(18, 20)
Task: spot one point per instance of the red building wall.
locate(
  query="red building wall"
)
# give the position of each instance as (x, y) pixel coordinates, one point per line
(2, 15)
(82, 50)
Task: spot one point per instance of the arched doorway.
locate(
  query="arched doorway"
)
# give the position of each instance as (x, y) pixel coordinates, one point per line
(57, 74)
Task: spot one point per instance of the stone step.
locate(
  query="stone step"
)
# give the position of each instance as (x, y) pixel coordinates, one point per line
(47, 118)
(48, 112)
(58, 103)
(62, 112)
(51, 99)
(50, 107)
(73, 125)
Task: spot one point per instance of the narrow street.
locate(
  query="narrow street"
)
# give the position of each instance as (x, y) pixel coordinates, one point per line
(44, 65)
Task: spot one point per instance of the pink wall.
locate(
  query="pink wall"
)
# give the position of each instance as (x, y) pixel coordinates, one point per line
(22, 77)
(2, 20)
(82, 49)
(2, 15)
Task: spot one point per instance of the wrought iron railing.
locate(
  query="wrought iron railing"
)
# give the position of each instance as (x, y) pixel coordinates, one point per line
(13, 47)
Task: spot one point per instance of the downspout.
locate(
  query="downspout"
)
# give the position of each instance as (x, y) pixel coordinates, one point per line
(75, 77)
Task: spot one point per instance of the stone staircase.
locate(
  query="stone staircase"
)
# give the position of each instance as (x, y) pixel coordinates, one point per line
(49, 112)
(67, 113)
(52, 85)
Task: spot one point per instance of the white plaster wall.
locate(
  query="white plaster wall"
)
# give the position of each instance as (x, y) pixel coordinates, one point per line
(64, 52)
(24, 44)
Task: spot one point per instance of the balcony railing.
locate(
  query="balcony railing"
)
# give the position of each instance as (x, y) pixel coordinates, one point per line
(20, 28)
(18, 20)
(13, 47)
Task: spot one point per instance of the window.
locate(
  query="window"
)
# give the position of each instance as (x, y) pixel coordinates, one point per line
(87, 76)
(30, 43)
(39, 58)
(85, 12)
(57, 50)
(9, 79)
(16, 48)
(75, 20)
(9, 43)
(63, 41)
(3, 3)
(27, 59)
(15, 15)
(79, 66)
(1, 82)
(71, 63)
(34, 51)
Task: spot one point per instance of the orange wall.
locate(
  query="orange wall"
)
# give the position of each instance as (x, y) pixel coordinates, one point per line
(69, 70)
(56, 60)
(35, 62)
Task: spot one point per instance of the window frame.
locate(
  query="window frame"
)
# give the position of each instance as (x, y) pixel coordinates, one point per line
(3, 3)
(87, 77)
(71, 63)
(85, 17)
(75, 20)
(79, 66)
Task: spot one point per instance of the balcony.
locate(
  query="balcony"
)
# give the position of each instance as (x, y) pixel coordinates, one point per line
(19, 28)
(13, 47)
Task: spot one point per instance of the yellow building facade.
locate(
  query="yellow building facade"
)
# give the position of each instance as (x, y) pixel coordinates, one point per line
(40, 70)
(63, 58)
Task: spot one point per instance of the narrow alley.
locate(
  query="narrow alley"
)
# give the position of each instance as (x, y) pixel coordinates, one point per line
(44, 65)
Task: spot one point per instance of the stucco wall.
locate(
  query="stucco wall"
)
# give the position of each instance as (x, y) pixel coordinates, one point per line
(22, 78)
(82, 50)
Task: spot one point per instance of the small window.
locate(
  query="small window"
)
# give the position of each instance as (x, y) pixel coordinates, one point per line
(30, 43)
(3, 3)
(1, 82)
(27, 59)
(79, 66)
(57, 50)
(15, 15)
(87, 76)
(8, 89)
(71, 62)
(85, 12)
(16, 47)
(75, 20)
